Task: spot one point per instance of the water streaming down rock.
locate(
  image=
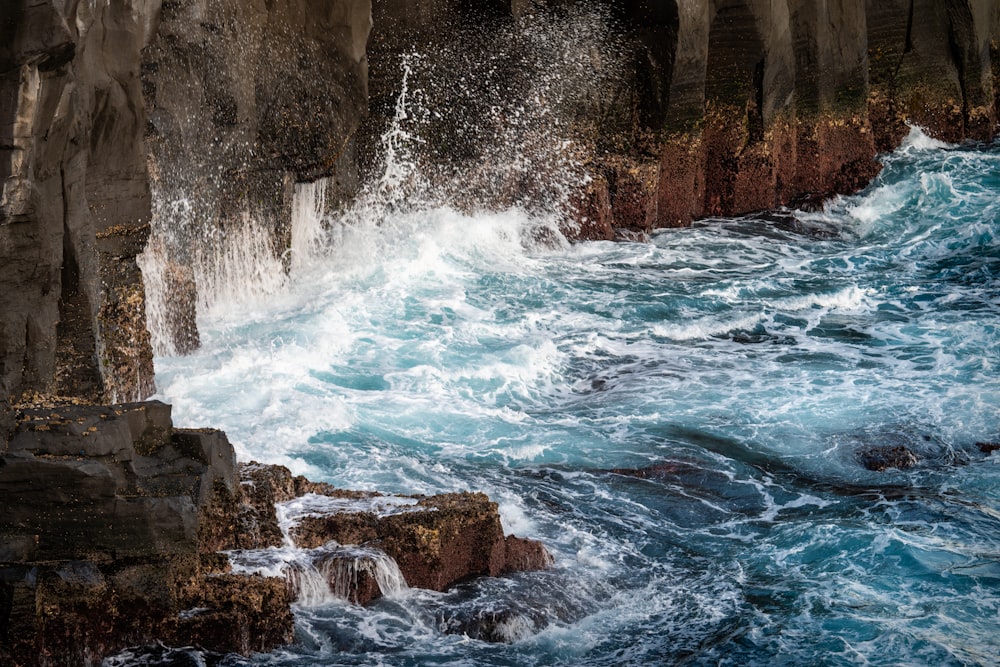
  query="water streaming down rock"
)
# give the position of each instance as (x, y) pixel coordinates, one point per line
(171, 300)
(307, 229)
(331, 572)
(359, 574)
(231, 267)
(513, 132)
(337, 574)
(681, 420)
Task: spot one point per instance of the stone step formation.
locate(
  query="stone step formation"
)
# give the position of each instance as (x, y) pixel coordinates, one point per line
(115, 521)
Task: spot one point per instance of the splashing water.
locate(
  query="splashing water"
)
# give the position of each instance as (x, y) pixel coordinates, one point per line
(332, 573)
(681, 422)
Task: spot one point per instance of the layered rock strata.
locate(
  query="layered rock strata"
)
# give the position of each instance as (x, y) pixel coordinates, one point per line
(101, 515)
(111, 522)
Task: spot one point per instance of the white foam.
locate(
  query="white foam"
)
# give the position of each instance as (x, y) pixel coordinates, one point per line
(917, 139)
(238, 268)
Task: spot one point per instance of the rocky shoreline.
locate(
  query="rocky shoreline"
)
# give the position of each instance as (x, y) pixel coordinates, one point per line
(111, 520)
(116, 523)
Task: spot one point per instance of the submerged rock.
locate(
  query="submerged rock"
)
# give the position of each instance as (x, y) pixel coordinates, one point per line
(502, 626)
(988, 447)
(882, 458)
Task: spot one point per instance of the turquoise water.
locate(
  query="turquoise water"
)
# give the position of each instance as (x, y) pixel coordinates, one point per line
(741, 364)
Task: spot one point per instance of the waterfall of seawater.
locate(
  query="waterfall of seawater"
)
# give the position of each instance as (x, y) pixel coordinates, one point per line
(331, 573)
(505, 118)
(336, 574)
(234, 267)
(682, 422)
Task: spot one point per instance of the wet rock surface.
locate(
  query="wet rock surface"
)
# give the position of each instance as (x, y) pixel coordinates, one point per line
(101, 509)
(988, 447)
(435, 541)
(880, 459)
(111, 522)
(74, 201)
(714, 108)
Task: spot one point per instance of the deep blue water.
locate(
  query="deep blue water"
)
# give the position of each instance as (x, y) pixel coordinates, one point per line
(743, 364)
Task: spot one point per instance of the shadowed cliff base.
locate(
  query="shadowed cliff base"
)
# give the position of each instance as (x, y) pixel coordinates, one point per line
(705, 109)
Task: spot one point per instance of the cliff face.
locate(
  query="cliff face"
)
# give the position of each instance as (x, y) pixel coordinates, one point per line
(790, 102)
(721, 107)
(244, 100)
(213, 109)
(219, 105)
(75, 200)
(676, 110)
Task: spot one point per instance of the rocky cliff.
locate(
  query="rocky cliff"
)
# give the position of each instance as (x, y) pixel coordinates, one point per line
(718, 107)
(192, 121)
(668, 111)
(244, 100)
(113, 521)
(75, 203)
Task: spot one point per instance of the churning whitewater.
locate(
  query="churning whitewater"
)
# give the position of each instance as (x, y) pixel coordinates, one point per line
(681, 422)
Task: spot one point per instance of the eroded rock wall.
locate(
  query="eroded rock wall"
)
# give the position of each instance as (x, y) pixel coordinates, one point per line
(246, 98)
(722, 107)
(75, 201)
(776, 103)
(220, 105)
(106, 515)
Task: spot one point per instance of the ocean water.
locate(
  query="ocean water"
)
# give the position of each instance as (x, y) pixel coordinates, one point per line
(740, 366)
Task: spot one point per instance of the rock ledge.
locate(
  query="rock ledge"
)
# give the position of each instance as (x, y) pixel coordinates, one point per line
(112, 522)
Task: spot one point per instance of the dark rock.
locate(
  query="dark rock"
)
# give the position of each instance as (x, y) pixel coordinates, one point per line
(235, 613)
(662, 470)
(881, 459)
(109, 518)
(75, 203)
(988, 447)
(501, 626)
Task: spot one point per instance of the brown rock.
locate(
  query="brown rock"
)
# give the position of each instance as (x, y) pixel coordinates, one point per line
(107, 514)
(441, 541)
(523, 555)
(262, 486)
(235, 613)
(880, 459)
(351, 574)
(988, 447)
